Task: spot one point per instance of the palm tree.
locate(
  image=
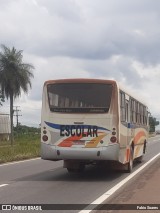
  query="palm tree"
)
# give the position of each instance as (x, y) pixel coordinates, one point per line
(15, 76)
(1, 98)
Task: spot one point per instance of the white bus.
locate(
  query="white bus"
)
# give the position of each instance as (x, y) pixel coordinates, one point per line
(87, 121)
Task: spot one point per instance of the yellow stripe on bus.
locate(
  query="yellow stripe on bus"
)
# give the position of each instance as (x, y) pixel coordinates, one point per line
(94, 142)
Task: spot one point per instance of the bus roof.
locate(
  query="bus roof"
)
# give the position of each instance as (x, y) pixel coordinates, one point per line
(80, 80)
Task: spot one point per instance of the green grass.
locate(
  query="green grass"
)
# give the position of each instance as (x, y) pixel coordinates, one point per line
(24, 147)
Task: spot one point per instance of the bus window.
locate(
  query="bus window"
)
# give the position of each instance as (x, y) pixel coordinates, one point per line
(79, 97)
(138, 113)
(127, 110)
(122, 106)
(133, 110)
(141, 113)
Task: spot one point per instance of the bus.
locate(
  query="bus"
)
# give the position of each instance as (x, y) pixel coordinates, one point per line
(92, 121)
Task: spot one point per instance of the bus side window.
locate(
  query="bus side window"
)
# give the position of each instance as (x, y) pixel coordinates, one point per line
(132, 109)
(145, 115)
(138, 113)
(141, 113)
(127, 110)
(122, 106)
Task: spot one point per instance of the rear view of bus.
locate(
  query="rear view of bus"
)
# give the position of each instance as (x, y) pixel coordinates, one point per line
(80, 119)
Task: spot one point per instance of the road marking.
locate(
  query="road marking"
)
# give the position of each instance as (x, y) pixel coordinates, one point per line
(3, 185)
(111, 191)
(16, 162)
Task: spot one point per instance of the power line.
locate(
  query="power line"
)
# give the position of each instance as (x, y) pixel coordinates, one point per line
(17, 113)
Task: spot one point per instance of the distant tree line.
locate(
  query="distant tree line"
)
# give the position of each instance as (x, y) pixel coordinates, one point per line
(153, 123)
(23, 129)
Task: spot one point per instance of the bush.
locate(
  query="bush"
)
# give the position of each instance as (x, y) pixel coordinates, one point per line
(24, 147)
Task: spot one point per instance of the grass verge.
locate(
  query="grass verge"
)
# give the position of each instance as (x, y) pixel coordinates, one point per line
(24, 147)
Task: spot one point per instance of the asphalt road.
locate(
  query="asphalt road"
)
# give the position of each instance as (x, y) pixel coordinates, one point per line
(45, 182)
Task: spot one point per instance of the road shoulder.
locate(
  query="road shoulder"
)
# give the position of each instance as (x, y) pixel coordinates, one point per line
(144, 189)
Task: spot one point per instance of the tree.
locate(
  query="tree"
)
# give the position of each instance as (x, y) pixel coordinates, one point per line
(23, 129)
(153, 123)
(1, 98)
(15, 76)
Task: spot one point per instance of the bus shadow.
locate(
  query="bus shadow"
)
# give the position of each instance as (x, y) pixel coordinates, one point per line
(91, 173)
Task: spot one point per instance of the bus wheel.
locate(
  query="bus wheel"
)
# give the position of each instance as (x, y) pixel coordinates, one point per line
(139, 159)
(129, 165)
(144, 147)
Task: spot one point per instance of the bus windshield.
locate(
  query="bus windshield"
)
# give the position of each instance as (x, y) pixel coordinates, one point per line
(79, 97)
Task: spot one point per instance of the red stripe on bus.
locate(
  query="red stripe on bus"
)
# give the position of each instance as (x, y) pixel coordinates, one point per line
(138, 136)
(68, 141)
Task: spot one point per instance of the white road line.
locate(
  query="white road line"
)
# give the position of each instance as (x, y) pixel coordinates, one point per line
(16, 162)
(3, 185)
(110, 192)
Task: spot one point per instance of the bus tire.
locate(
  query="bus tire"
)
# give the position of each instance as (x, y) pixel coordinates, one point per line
(139, 159)
(130, 163)
(144, 147)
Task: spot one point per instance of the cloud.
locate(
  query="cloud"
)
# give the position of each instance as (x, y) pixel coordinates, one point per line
(86, 29)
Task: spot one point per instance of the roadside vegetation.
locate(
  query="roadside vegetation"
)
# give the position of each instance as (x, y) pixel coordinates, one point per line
(25, 146)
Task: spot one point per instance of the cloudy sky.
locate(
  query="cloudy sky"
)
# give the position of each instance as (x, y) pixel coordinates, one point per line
(118, 39)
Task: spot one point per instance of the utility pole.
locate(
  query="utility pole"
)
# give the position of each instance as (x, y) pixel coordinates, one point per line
(16, 111)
